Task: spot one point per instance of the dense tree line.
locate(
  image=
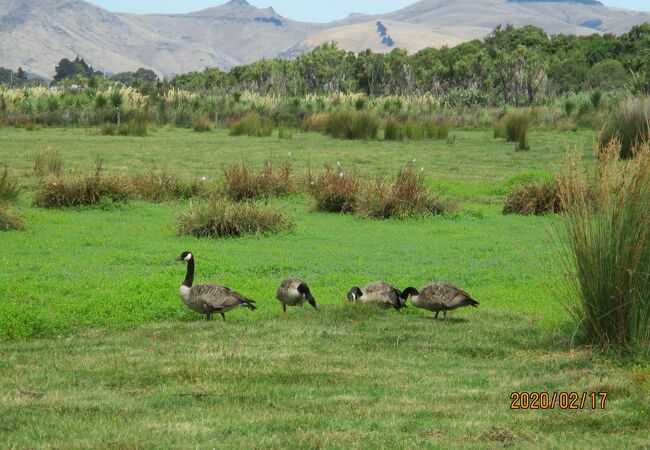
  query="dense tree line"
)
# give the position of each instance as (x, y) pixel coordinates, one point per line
(511, 65)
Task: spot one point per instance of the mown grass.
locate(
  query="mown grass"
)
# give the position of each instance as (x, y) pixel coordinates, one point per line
(346, 377)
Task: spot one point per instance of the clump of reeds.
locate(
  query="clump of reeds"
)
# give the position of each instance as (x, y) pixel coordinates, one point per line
(252, 124)
(223, 218)
(606, 245)
(334, 190)
(48, 161)
(407, 196)
(629, 124)
(533, 198)
(272, 180)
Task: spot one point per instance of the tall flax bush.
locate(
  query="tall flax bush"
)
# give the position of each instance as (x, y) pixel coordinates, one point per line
(606, 237)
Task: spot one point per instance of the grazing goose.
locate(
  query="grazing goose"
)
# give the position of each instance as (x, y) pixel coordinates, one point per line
(209, 298)
(440, 297)
(380, 294)
(294, 292)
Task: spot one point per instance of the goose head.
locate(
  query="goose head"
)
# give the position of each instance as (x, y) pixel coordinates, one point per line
(185, 256)
(354, 294)
(410, 291)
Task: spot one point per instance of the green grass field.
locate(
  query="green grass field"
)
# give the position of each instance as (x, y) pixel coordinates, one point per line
(98, 350)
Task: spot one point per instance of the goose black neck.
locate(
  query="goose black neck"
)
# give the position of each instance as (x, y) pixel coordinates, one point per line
(189, 277)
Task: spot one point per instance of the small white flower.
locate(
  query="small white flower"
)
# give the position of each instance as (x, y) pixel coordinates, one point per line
(422, 169)
(341, 175)
(289, 154)
(204, 178)
(414, 161)
(338, 163)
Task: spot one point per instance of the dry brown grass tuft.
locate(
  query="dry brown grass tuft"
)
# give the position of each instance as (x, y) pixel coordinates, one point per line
(534, 198)
(242, 183)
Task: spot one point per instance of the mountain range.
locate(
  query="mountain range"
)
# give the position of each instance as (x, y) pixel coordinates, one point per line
(36, 34)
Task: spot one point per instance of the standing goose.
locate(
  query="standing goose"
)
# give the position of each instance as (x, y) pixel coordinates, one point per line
(380, 294)
(440, 297)
(294, 292)
(209, 298)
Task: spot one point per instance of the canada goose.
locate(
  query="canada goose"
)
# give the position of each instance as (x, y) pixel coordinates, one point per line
(440, 297)
(294, 292)
(209, 298)
(380, 294)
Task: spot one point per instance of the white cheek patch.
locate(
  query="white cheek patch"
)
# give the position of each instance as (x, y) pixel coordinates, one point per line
(188, 257)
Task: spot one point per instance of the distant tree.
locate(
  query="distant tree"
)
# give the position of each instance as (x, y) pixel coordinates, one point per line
(607, 75)
(68, 69)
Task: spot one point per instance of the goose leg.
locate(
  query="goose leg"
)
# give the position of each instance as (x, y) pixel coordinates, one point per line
(436, 317)
(223, 316)
(208, 317)
(444, 315)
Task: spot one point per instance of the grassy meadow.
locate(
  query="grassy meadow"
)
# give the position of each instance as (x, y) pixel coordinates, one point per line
(97, 349)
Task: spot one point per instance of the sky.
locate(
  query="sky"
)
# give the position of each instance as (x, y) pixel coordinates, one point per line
(304, 10)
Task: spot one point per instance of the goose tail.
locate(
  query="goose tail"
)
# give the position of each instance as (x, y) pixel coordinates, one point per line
(471, 302)
(250, 304)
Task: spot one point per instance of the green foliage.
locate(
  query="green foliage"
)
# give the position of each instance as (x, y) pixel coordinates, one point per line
(9, 189)
(285, 133)
(630, 125)
(137, 125)
(252, 124)
(352, 125)
(606, 237)
(242, 183)
(609, 74)
(395, 130)
(533, 198)
(69, 69)
(222, 218)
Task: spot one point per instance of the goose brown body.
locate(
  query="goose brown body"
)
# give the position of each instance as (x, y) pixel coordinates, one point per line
(380, 294)
(294, 292)
(443, 297)
(210, 298)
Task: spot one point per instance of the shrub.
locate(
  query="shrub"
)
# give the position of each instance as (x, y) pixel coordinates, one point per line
(203, 125)
(606, 245)
(160, 186)
(352, 125)
(252, 124)
(285, 133)
(533, 198)
(315, 123)
(406, 197)
(137, 125)
(48, 161)
(514, 128)
(9, 189)
(393, 130)
(243, 183)
(442, 129)
(221, 218)
(9, 221)
(85, 191)
(629, 125)
(334, 191)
